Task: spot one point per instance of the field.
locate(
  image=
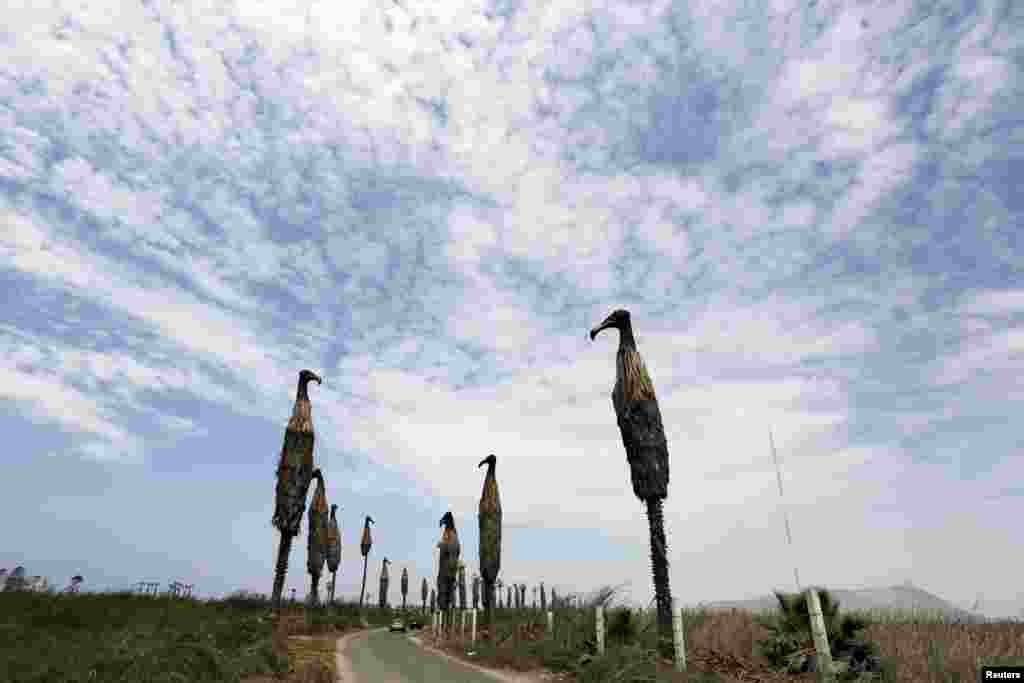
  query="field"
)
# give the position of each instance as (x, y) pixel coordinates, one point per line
(722, 645)
(120, 637)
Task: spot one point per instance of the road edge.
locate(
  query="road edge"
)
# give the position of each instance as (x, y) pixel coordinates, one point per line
(503, 675)
(343, 667)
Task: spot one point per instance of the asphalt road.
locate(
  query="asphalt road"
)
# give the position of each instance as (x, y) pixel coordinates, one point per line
(377, 656)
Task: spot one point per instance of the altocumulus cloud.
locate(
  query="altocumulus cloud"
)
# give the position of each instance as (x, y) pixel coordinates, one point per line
(808, 207)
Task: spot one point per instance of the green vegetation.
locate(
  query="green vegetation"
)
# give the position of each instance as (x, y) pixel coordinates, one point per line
(129, 638)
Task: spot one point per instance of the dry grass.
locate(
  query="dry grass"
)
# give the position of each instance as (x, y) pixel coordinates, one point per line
(941, 651)
(722, 645)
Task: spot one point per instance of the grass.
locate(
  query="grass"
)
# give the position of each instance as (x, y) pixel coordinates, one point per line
(121, 637)
(129, 638)
(721, 645)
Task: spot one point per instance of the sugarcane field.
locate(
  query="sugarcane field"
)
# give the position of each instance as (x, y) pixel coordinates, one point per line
(511, 341)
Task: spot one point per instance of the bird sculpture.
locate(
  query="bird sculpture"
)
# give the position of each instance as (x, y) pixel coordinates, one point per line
(448, 564)
(384, 580)
(333, 549)
(490, 535)
(462, 585)
(316, 549)
(404, 585)
(294, 474)
(643, 436)
(364, 547)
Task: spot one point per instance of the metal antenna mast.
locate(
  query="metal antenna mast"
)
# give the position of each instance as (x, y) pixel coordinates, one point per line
(785, 512)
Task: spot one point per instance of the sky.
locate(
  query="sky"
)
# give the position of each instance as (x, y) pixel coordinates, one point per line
(808, 207)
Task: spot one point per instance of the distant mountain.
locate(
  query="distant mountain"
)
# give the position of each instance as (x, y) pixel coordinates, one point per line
(904, 597)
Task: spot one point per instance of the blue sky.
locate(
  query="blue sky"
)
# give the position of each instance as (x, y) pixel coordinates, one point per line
(809, 208)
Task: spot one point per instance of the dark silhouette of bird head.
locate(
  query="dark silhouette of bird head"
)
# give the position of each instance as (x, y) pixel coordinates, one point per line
(318, 475)
(448, 521)
(369, 521)
(307, 376)
(387, 561)
(490, 460)
(334, 508)
(618, 319)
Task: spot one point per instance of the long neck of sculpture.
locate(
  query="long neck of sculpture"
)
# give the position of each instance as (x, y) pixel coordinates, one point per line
(626, 339)
(302, 394)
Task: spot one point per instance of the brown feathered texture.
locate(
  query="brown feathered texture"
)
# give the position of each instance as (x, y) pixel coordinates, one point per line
(294, 470)
(448, 566)
(333, 542)
(639, 419)
(367, 540)
(490, 533)
(318, 524)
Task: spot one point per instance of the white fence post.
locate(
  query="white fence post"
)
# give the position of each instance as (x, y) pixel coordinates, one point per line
(677, 632)
(824, 663)
(472, 629)
(600, 630)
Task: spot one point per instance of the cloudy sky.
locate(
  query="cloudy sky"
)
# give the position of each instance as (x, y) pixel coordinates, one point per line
(808, 207)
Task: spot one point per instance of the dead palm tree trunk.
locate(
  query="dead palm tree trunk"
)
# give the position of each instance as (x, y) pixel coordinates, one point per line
(364, 548)
(643, 435)
(333, 549)
(384, 581)
(462, 585)
(316, 549)
(294, 474)
(490, 537)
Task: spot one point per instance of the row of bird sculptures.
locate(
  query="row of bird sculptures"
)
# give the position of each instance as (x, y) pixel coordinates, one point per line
(643, 436)
(295, 474)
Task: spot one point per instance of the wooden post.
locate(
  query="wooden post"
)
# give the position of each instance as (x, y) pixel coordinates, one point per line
(677, 632)
(472, 628)
(600, 630)
(824, 667)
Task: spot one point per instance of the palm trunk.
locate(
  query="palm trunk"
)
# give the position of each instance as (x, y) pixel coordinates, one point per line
(314, 590)
(659, 571)
(362, 591)
(488, 600)
(284, 549)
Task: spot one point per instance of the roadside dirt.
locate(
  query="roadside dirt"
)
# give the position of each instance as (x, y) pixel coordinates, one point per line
(504, 675)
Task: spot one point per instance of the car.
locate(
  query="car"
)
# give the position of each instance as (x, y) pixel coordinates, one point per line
(397, 625)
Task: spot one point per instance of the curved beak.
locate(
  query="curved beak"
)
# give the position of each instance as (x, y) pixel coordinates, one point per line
(603, 326)
(318, 379)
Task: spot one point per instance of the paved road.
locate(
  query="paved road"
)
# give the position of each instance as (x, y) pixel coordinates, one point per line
(377, 656)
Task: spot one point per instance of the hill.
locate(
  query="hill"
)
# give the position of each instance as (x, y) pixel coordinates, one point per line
(903, 597)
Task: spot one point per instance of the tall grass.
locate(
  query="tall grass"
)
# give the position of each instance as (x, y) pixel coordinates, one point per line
(721, 644)
(123, 637)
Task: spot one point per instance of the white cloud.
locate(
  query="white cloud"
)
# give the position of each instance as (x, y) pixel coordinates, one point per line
(432, 205)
